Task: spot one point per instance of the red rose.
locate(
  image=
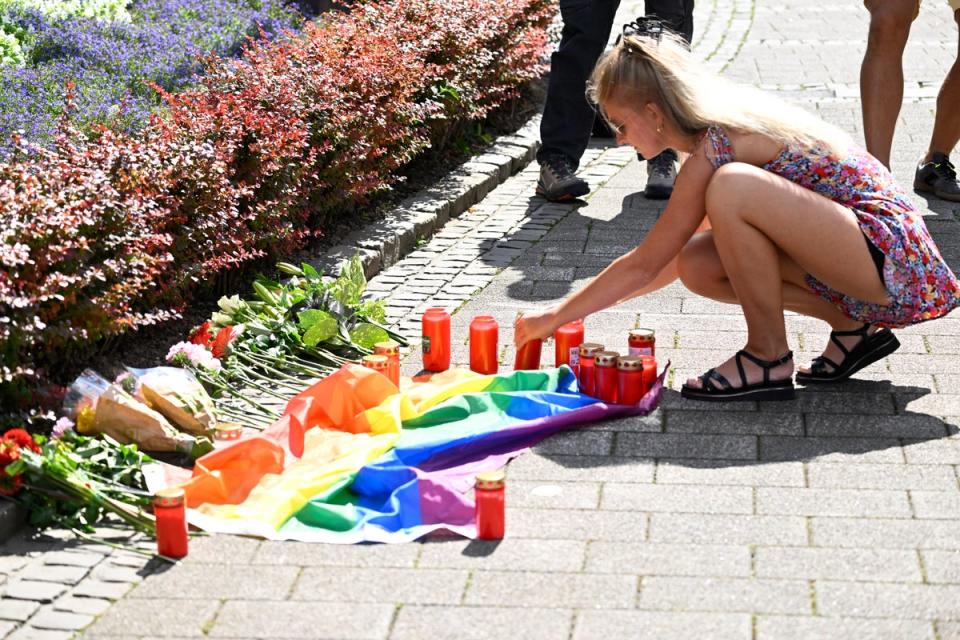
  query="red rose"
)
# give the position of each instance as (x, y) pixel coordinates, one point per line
(23, 439)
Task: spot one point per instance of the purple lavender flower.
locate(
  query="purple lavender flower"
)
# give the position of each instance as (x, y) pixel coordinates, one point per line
(111, 64)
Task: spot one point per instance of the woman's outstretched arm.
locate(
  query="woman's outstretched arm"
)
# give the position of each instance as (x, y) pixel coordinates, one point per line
(639, 270)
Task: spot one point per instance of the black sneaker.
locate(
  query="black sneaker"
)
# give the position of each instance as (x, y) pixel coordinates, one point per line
(661, 174)
(938, 177)
(558, 180)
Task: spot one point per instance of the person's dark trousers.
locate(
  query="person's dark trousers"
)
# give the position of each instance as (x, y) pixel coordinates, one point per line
(676, 14)
(567, 116)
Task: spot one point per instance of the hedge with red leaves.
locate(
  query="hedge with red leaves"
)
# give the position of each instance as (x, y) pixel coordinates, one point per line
(106, 233)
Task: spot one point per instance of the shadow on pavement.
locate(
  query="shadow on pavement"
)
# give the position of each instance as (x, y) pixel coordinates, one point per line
(819, 423)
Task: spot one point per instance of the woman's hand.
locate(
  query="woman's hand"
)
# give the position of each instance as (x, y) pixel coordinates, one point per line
(531, 326)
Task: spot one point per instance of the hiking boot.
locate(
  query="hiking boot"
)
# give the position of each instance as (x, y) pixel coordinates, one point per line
(558, 180)
(661, 174)
(938, 177)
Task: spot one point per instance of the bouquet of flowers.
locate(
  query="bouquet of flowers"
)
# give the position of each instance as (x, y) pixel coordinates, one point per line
(73, 481)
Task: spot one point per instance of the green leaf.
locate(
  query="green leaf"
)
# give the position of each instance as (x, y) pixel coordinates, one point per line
(317, 326)
(366, 335)
(312, 274)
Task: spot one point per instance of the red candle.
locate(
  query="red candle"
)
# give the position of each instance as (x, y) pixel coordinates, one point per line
(568, 339)
(630, 387)
(491, 517)
(587, 371)
(606, 376)
(528, 356)
(436, 339)
(170, 510)
(390, 349)
(643, 342)
(649, 372)
(484, 333)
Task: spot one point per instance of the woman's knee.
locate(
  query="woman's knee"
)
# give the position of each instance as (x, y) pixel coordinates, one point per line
(698, 264)
(729, 186)
(890, 22)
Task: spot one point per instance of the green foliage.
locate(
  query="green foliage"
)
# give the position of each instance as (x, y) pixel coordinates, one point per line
(75, 480)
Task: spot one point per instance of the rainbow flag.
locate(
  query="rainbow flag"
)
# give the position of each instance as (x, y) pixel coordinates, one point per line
(355, 459)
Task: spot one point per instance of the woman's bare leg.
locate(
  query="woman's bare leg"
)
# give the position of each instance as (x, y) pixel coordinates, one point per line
(702, 273)
(756, 216)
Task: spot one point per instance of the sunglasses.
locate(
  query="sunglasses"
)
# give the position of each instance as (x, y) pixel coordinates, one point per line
(644, 26)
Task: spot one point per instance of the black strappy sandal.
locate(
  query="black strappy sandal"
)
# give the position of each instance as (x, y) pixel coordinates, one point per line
(870, 349)
(716, 388)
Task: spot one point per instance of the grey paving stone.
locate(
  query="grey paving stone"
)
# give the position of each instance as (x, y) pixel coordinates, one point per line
(576, 524)
(73, 558)
(508, 554)
(529, 589)
(804, 628)
(875, 426)
(590, 442)
(54, 573)
(711, 472)
(734, 422)
(656, 625)
(947, 629)
(832, 502)
(677, 498)
(749, 595)
(879, 565)
(942, 451)
(668, 559)
(881, 476)
(888, 600)
(30, 633)
(727, 529)
(885, 532)
(60, 620)
(17, 610)
(6, 627)
(480, 623)
(423, 586)
(939, 404)
(677, 445)
(186, 618)
(209, 581)
(936, 504)
(858, 450)
(91, 588)
(553, 495)
(33, 590)
(89, 606)
(335, 555)
(942, 566)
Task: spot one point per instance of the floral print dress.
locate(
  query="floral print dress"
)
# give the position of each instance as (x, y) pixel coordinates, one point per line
(917, 278)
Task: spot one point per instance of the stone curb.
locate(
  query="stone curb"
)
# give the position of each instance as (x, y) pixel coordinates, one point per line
(12, 517)
(383, 243)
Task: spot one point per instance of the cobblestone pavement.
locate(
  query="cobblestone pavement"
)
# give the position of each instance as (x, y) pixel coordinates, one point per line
(832, 516)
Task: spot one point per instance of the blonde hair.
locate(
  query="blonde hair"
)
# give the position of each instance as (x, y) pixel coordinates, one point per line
(641, 69)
